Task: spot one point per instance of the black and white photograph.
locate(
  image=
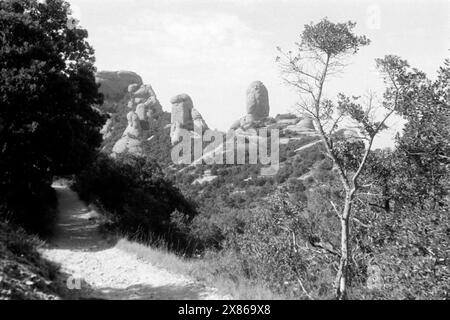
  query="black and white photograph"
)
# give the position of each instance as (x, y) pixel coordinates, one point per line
(227, 156)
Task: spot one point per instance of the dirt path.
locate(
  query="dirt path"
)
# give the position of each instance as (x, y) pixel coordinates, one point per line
(107, 272)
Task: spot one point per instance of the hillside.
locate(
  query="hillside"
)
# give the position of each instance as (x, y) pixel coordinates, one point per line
(24, 274)
(302, 163)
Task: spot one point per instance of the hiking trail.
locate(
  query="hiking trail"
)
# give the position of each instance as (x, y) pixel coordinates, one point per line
(105, 271)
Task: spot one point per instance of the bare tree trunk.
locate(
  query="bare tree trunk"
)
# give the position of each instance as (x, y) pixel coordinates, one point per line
(342, 275)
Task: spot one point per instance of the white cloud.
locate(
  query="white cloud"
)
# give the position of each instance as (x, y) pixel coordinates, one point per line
(196, 39)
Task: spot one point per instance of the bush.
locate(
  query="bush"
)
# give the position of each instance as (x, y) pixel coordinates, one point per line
(136, 197)
(272, 247)
(263, 245)
(410, 247)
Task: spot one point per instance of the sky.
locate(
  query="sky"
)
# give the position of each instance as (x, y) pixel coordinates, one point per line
(213, 49)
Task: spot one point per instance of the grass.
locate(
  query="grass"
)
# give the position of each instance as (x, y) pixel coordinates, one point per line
(214, 269)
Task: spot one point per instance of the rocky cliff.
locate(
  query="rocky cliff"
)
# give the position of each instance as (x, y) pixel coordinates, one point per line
(185, 116)
(135, 114)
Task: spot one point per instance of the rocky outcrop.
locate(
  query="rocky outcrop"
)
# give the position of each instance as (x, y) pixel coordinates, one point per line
(114, 84)
(257, 116)
(131, 140)
(147, 107)
(305, 125)
(257, 107)
(198, 120)
(185, 116)
(182, 111)
(106, 129)
(145, 110)
(134, 128)
(257, 101)
(287, 118)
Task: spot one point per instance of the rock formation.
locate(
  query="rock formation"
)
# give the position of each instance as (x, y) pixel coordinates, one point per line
(114, 84)
(305, 125)
(182, 111)
(198, 120)
(131, 140)
(134, 128)
(257, 116)
(289, 125)
(257, 107)
(106, 129)
(257, 101)
(184, 116)
(145, 108)
(175, 132)
(143, 100)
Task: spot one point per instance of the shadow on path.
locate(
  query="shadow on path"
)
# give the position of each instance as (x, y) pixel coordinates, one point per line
(76, 227)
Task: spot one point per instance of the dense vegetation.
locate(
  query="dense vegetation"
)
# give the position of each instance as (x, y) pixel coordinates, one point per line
(136, 198)
(48, 128)
(47, 88)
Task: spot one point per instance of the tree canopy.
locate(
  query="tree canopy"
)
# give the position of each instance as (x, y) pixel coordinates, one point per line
(47, 89)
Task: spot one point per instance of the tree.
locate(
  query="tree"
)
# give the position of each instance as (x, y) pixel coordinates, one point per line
(416, 173)
(423, 151)
(47, 89)
(321, 53)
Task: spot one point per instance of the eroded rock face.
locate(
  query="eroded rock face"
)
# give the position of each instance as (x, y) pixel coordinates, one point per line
(133, 87)
(258, 100)
(134, 128)
(304, 126)
(185, 116)
(147, 107)
(130, 141)
(198, 120)
(257, 107)
(128, 144)
(181, 111)
(145, 111)
(175, 132)
(114, 84)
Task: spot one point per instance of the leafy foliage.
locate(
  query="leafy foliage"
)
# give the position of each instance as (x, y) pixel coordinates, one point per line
(411, 247)
(47, 88)
(135, 196)
(332, 38)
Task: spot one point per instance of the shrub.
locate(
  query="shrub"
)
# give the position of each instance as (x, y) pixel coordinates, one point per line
(410, 247)
(273, 247)
(136, 197)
